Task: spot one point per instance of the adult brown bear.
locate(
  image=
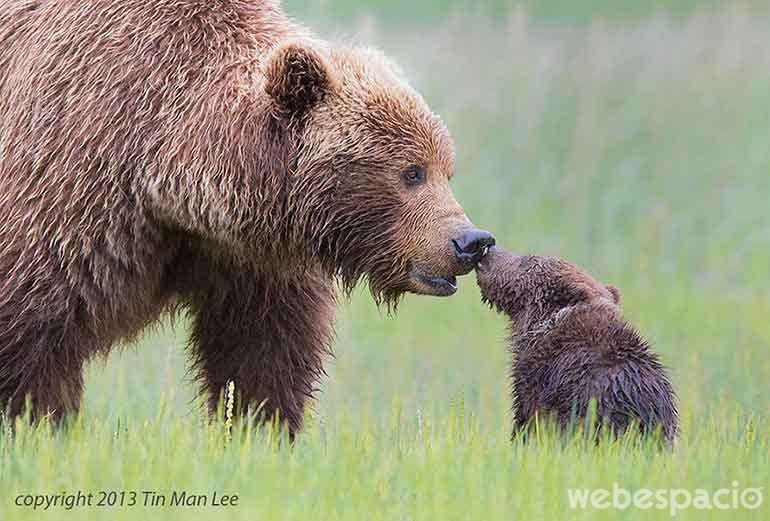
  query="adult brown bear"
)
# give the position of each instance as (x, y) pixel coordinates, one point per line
(210, 154)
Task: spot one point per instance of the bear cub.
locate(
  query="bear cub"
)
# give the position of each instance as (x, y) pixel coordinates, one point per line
(571, 345)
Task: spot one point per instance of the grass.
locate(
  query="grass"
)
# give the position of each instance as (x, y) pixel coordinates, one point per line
(638, 149)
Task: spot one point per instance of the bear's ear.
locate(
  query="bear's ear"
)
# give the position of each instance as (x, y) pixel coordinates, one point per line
(615, 293)
(297, 78)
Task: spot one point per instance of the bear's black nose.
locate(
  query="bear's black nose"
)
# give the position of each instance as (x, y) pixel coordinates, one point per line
(471, 246)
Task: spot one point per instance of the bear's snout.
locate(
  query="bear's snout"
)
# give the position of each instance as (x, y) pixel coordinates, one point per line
(496, 260)
(497, 275)
(471, 246)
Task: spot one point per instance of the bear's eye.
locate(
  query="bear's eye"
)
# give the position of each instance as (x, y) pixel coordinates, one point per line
(414, 175)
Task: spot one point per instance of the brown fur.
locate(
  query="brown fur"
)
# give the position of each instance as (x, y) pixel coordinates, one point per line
(211, 155)
(571, 345)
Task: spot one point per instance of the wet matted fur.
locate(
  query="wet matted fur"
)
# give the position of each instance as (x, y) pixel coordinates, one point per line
(571, 345)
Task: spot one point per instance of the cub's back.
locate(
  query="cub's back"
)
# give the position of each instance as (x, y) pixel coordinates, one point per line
(592, 353)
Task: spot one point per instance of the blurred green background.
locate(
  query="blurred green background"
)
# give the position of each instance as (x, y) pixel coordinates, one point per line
(630, 137)
(568, 11)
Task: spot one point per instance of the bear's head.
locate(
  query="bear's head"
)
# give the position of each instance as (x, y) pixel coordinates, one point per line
(531, 289)
(371, 166)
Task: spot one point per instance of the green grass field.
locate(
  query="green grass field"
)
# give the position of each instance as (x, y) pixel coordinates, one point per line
(638, 147)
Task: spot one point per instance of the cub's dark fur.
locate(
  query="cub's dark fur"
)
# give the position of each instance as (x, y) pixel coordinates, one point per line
(571, 345)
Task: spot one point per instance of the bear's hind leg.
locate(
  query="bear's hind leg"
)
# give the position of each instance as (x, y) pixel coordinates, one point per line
(268, 335)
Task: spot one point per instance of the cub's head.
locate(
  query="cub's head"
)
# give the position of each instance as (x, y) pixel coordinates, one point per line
(530, 289)
(372, 167)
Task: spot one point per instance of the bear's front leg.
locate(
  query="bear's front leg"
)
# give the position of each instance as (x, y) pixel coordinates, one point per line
(268, 335)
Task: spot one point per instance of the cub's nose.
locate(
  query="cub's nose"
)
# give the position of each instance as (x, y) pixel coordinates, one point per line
(471, 246)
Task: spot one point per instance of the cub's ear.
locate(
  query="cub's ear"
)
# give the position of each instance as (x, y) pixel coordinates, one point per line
(297, 78)
(615, 293)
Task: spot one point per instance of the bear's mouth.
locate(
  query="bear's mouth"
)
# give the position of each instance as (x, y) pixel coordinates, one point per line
(439, 286)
